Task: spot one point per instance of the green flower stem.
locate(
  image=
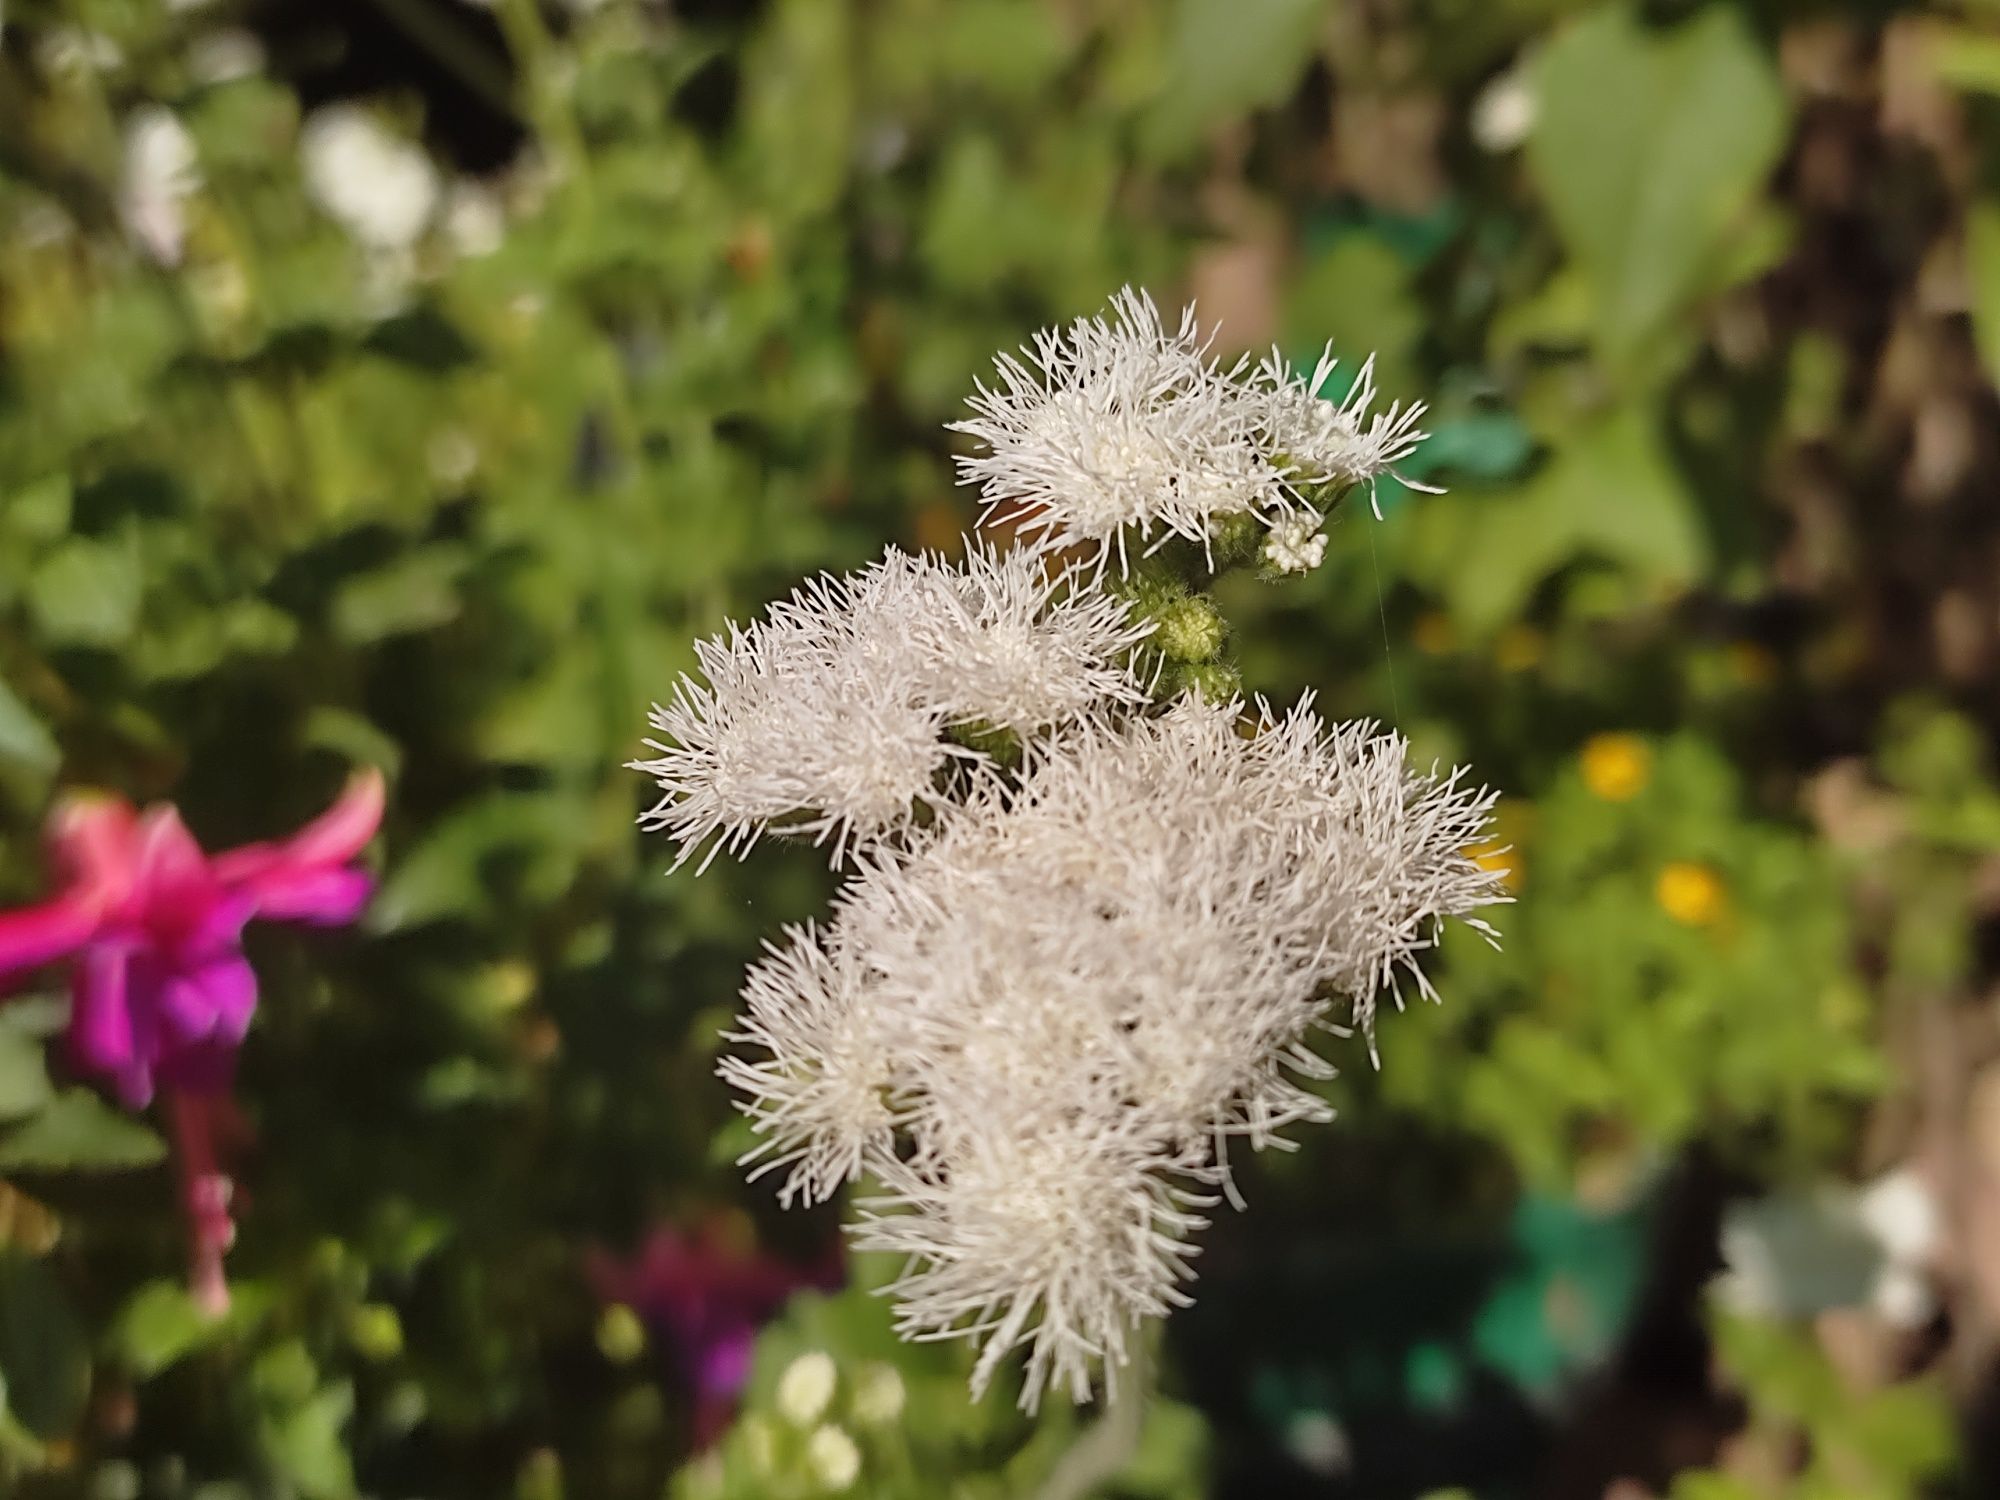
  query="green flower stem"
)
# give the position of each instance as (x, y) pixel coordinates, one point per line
(1109, 1443)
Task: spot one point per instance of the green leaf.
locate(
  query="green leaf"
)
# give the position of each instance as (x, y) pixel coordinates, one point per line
(24, 740)
(87, 593)
(1649, 146)
(1225, 58)
(38, 512)
(24, 1081)
(302, 1422)
(1609, 494)
(79, 1131)
(1982, 253)
(44, 1359)
(417, 591)
(1357, 294)
(158, 1325)
(447, 873)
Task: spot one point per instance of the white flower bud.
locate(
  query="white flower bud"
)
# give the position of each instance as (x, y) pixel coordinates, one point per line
(878, 1395)
(806, 1388)
(834, 1460)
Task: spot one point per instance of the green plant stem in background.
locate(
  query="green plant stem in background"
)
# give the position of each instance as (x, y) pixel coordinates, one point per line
(1110, 1442)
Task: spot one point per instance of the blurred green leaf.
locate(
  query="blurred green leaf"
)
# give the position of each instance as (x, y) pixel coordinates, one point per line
(24, 1080)
(38, 512)
(77, 1131)
(1609, 493)
(44, 1358)
(1648, 146)
(157, 1326)
(417, 591)
(447, 873)
(1982, 253)
(1227, 57)
(86, 593)
(24, 740)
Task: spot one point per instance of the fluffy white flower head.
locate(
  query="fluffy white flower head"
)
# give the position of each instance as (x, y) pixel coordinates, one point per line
(1116, 423)
(1336, 442)
(829, 717)
(1038, 1028)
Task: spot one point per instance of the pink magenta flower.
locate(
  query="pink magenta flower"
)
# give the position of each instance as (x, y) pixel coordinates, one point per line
(708, 1293)
(161, 991)
(161, 994)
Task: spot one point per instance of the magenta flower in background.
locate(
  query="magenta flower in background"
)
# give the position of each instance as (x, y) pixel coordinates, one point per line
(161, 991)
(161, 994)
(709, 1294)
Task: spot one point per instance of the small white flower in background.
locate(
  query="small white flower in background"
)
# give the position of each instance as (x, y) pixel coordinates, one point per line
(452, 456)
(381, 188)
(72, 50)
(1503, 115)
(474, 220)
(224, 56)
(1795, 1255)
(1902, 1214)
(1295, 547)
(161, 171)
(878, 1395)
(805, 1390)
(834, 1460)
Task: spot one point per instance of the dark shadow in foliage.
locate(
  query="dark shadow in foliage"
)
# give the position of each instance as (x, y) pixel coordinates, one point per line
(452, 56)
(424, 339)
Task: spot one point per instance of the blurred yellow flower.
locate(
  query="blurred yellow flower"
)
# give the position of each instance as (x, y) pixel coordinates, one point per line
(1496, 854)
(1503, 850)
(1690, 893)
(1751, 664)
(1617, 767)
(1518, 649)
(1432, 633)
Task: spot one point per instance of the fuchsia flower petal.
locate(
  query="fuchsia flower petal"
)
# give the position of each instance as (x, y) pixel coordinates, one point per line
(38, 934)
(92, 841)
(109, 1034)
(213, 1001)
(326, 898)
(173, 880)
(333, 838)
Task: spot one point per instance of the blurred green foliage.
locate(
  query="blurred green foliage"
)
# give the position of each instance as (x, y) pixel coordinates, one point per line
(1711, 596)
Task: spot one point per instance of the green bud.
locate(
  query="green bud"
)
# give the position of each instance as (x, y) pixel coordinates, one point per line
(540, 1476)
(1002, 744)
(1235, 539)
(375, 1332)
(1215, 682)
(621, 1337)
(1189, 630)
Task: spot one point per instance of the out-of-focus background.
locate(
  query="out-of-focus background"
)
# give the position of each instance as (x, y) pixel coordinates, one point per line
(408, 383)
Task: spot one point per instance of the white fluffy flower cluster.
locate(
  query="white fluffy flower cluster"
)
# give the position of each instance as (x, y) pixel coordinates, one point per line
(1087, 938)
(831, 717)
(1120, 426)
(1037, 1030)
